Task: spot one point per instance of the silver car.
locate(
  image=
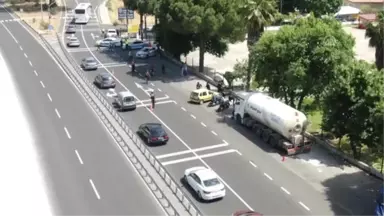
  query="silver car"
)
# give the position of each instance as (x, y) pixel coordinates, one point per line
(105, 80)
(71, 29)
(73, 42)
(89, 63)
(146, 52)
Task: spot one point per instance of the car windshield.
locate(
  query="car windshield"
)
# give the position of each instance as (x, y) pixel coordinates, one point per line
(157, 131)
(211, 182)
(107, 78)
(111, 31)
(144, 50)
(194, 94)
(73, 39)
(90, 61)
(129, 99)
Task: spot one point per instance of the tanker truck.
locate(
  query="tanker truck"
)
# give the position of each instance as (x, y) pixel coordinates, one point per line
(276, 123)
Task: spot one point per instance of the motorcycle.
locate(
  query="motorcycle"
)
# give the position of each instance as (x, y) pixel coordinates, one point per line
(223, 106)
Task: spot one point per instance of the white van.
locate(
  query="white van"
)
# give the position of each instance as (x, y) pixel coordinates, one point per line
(125, 101)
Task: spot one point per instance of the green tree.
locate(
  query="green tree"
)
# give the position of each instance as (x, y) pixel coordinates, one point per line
(319, 7)
(209, 21)
(257, 14)
(375, 32)
(352, 105)
(300, 60)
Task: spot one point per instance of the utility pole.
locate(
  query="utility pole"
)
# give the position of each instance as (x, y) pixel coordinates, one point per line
(41, 8)
(127, 21)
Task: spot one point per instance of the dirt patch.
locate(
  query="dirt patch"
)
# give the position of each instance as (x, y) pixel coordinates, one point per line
(114, 5)
(31, 13)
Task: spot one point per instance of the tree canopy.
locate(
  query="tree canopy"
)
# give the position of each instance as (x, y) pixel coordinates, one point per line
(299, 60)
(318, 7)
(375, 32)
(210, 22)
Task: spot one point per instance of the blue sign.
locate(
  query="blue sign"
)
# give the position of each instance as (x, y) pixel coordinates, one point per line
(50, 27)
(123, 13)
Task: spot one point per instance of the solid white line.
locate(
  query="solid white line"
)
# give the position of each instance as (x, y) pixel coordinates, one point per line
(8, 29)
(57, 113)
(285, 190)
(34, 71)
(183, 108)
(203, 124)
(42, 84)
(30, 63)
(94, 189)
(152, 84)
(190, 151)
(49, 97)
(166, 126)
(225, 141)
(214, 133)
(66, 131)
(78, 156)
(266, 175)
(304, 206)
(21, 48)
(239, 153)
(149, 104)
(149, 100)
(198, 157)
(25, 55)
(193, 116)
(159, 90)
(253, 164)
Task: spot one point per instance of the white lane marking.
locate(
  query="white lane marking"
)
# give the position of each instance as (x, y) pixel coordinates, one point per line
(34, 71)
(163, 123)
(193, 116)
(160, 102)
(49, 97)
(57, 113)
(190, 151)
(285, 190)
(214, 133)
(225, 141)
(183, 108)
(21, 48)
(94, 188)
(25, 55)
(304, 206)
(66, 131)
(149, 100)
(152, 84)
(203, 124)
(166, 96)
(78, 157)
(253, 164)
(8, 29)
(266, 175)
(159, 90)
(30, 63)
(198, 157)
(239, 153)
(42, 84)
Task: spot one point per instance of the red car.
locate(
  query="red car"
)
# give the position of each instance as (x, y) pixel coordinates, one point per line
(246, 213)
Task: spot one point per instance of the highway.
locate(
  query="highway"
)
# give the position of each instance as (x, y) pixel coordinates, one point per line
(254, 175)
(87, 173)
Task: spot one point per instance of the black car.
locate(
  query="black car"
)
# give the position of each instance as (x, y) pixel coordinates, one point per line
(71, 29)
(105, 80)
(153, 133)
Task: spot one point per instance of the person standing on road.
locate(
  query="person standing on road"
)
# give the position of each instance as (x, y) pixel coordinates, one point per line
(133, 66)
(152, 95)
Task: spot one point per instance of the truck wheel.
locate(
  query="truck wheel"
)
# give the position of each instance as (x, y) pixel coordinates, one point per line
(238, 118)
(273, 141)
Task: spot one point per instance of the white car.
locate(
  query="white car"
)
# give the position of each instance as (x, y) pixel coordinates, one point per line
(137, 44)
(111, 33)
(107, 41)
(146, 52)
(205, 183)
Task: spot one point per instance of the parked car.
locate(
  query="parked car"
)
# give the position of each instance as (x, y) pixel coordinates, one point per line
(107, 41)
(105, 80)
(71, 29)
(153, 133)
(201, 95)
(246, 213)
(111, 33)
(89, 63)
(205, 183)
(146, 52)
(73, 42)
(137, 44)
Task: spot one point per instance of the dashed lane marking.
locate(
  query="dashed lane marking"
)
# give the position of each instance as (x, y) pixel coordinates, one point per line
(239, 153)
(204, 125)
(152, 84)
(285, 190)
(253, 164)
(78, 157)
(42, 84)
(159, 90)
(67, 132)
(30, 63)
(49, 97)
(214, 133)
(304, 206)
(183, 108)
(34, 71)
(193, 116)
(21, 48)
(25, 55)
(57, 113)
(94, 188)
(269, 177)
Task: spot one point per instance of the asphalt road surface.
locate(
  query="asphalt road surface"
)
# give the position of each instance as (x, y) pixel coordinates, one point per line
(254, 177)
(88, 173)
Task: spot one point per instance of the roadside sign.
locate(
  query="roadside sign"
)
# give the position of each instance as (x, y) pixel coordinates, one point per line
(124, 12)
(133, 29)
(50, 27)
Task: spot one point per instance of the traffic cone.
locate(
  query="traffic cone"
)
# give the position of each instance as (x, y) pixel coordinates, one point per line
(150, 107)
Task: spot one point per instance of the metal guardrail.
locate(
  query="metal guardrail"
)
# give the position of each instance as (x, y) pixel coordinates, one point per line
(168, 179)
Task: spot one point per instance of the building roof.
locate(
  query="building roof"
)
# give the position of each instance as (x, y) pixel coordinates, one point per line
(366, 1)
(368, 17)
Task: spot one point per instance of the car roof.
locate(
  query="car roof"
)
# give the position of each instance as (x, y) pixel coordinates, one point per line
(205, 174)
(200, 90)
(105, 75)
(153, 125)
(111, 30)
(90, 58)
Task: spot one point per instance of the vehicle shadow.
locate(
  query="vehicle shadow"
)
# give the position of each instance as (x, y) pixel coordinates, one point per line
(194, 195)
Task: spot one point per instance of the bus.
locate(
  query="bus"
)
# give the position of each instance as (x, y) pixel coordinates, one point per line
(83, 13)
